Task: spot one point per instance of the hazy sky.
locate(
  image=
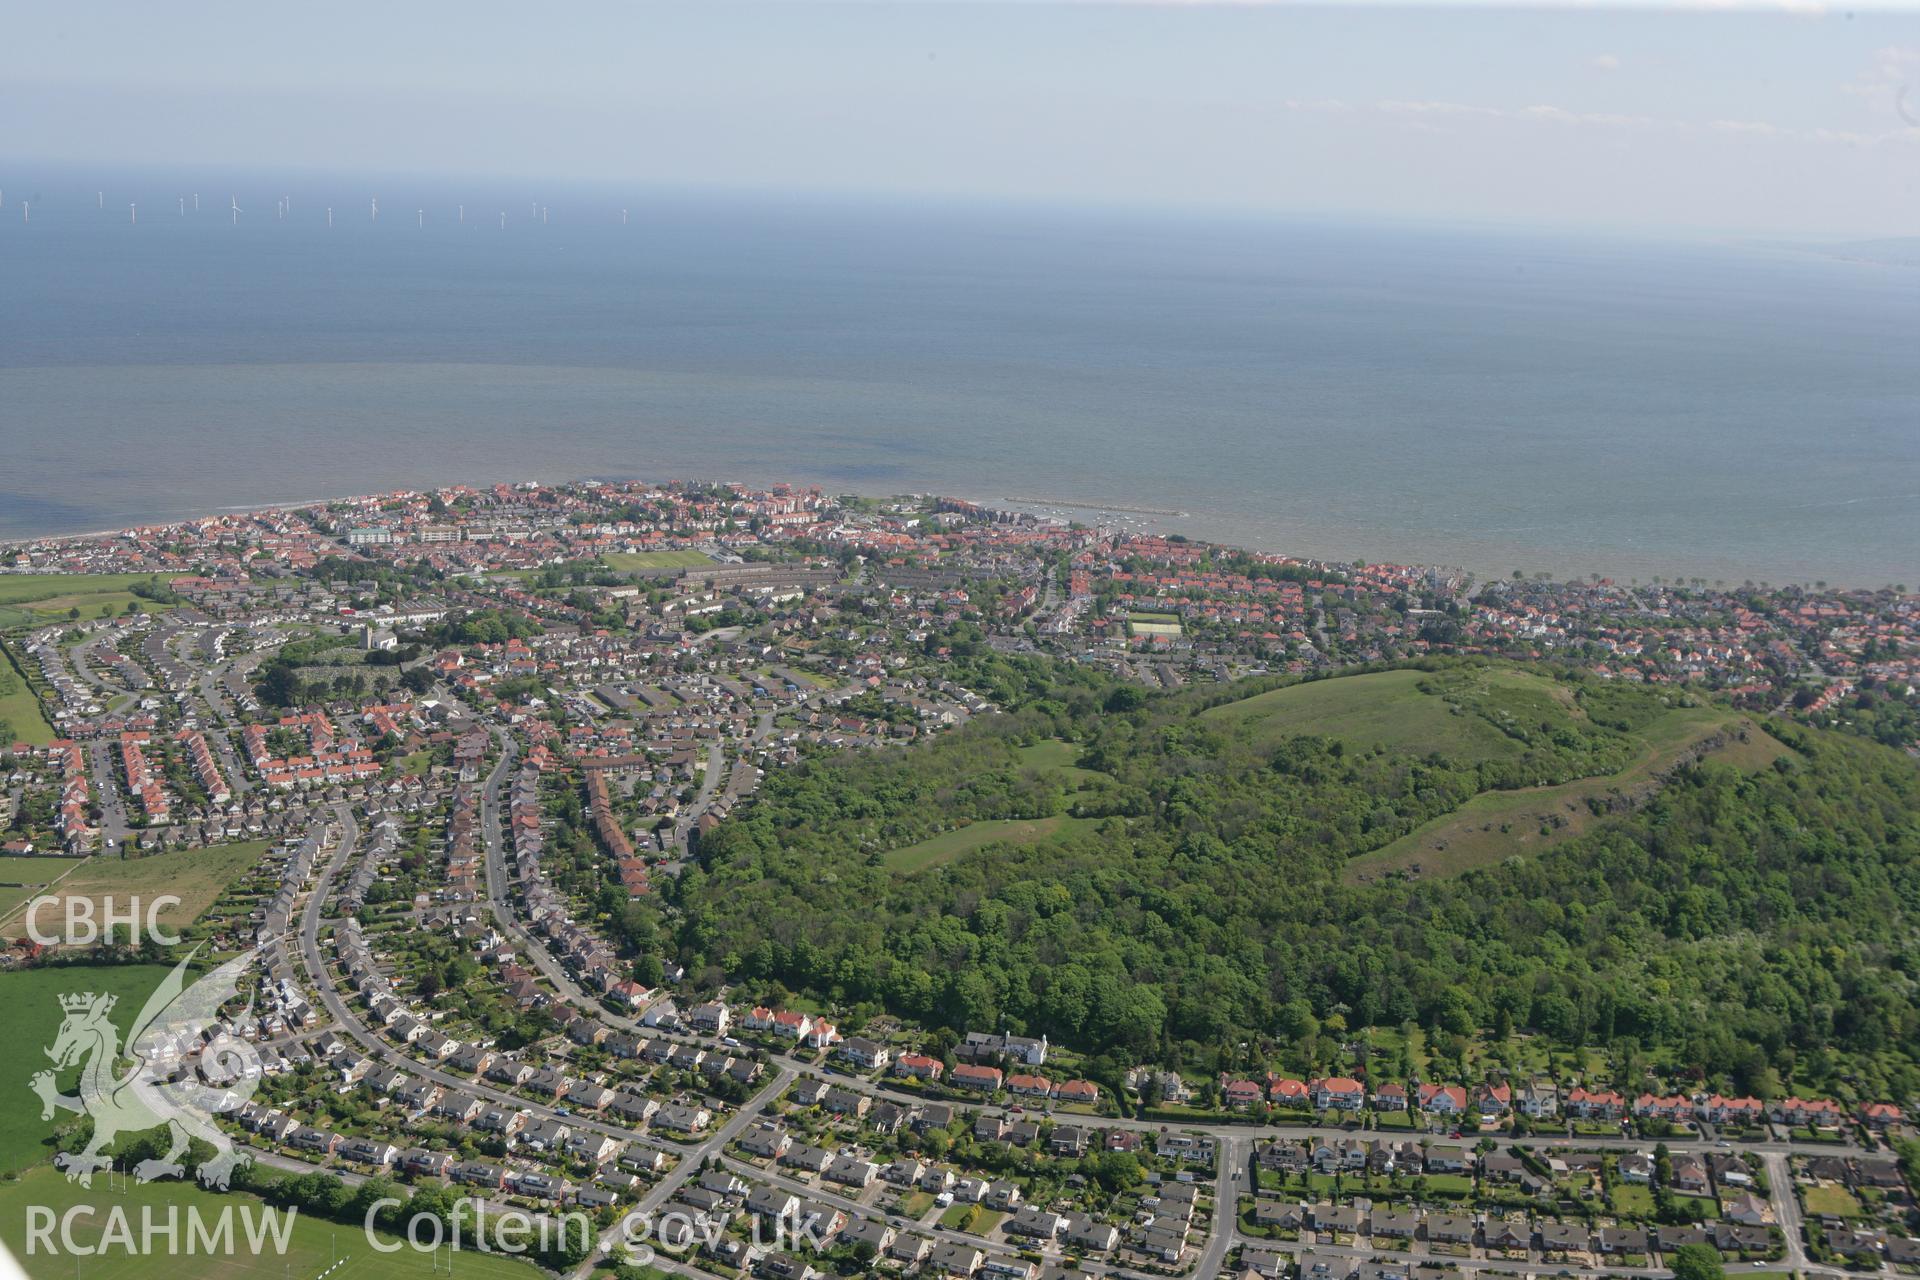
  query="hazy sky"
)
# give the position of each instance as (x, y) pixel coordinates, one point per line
(1744, 121)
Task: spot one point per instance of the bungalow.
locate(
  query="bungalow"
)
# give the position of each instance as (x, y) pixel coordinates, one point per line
(1084, 1092)
(770, 1204)
(1617, 1241)
(633, 1107)
(867, 1236)
(1396, 1224)
(908, 1250)
(458, 1107)
(851, 1171)
(1450, 1228)
(1283, 1215)
(1029, 1086)
(1089, 1233)
(682, 1119)
(1036, 1223)
(1564, 1237)
(808, 1158)
(1507, 1237)
(766, 1142)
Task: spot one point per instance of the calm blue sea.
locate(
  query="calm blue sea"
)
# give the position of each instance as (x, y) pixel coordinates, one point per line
(1479, 398)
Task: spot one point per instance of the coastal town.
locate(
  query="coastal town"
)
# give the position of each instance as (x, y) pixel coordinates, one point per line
(441, 756)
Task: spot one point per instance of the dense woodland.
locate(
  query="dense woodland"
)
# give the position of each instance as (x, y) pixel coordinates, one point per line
(1754, 929)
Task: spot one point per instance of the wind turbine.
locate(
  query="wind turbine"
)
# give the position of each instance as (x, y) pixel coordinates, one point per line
(101, 198)
(133, 214)
(421, 214)
(463, 215)
(26, 211)
(196, 202)
(623, 217)
(503, 219)
(329, 216)
(235, 201)
(375, 215)
(183, 206)
(543, 215)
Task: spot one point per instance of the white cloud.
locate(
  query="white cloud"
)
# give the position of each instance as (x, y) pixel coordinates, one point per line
(1606, 62)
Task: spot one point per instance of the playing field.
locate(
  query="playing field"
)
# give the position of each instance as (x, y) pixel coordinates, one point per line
(629, 560)
(29, 1018)
(312, 1245)
(195, 876)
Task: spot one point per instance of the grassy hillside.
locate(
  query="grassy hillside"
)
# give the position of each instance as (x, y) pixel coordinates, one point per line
(948, 845)
(1531, 820)
(1394, 709)
(1598, 863)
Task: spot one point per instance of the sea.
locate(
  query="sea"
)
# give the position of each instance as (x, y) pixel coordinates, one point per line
(1489, 398)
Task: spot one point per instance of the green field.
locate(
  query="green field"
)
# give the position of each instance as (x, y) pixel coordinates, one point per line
(22, 878)
(1498, 824)
(31, 1001)
(195, 876)
(630, 560)
(29, 599)
(948, 845)
(312, 1243)
(1388, 709)
(21, 712)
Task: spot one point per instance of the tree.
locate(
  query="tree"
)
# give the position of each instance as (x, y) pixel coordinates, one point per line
(1697, 1262)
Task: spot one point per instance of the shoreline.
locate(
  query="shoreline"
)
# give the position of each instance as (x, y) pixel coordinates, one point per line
(1133, 518)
